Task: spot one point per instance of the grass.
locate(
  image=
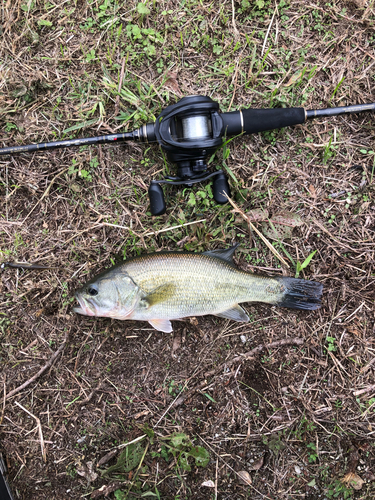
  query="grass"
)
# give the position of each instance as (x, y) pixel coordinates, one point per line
(297, 418)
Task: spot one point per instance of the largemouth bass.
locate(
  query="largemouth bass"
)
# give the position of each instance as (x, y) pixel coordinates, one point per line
(163, 286)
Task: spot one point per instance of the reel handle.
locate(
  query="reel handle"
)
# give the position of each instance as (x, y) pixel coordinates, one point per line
(156, 196)
(221, 186)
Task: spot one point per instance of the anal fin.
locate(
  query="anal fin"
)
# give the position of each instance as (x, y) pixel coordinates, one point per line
(235, 313)
(162, 325)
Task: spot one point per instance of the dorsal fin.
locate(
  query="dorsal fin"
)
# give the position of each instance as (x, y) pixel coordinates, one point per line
(225, 254)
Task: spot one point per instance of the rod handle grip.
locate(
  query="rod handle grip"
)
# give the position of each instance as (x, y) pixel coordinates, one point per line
(250, 121)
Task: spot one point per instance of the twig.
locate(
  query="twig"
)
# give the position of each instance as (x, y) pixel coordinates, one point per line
(355, 312)
(39, 430)
(251, 225)
(216, 475)
(174, 227)
(44, 194)
(89, 397)
(268, 31)
(235, 86)
(120, 84)
(40, 372)
(136, 440)
(4, 399)
(10, 222)
(234, 21)
(256, 350)
(364, 391)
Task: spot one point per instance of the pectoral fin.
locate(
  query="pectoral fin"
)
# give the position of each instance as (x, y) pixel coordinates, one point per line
(235, 313)
(162, 325)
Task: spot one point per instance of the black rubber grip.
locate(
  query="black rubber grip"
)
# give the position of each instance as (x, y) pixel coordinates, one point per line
(259, 120)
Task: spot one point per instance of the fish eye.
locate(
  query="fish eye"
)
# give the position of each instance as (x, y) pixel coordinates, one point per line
(92, 291)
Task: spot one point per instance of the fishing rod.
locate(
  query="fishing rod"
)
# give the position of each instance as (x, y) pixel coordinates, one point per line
(190, 131)
(5, 492)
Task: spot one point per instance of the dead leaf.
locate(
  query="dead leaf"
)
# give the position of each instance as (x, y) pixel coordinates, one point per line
(39, 313)
(294, 79)
(245, 477)
(184, 240)
(75, 187)
(176, 343)
(86, 470)
(141, 414)
(312, 191)
(363, 446)
(193, 320)
(360, 4)
(172, 84)
(107, 457)
(283, 224)
(257, 215)
(369, 475)
(352, 480)
(364, 206)
(105, 490)
(209, 484)
(288, 219)
(258, 464)
(354, 331)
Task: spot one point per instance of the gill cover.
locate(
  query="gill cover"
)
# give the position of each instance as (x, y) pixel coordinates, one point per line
(112, 295)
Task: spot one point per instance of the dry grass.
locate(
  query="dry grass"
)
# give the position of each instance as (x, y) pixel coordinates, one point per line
(288, 398)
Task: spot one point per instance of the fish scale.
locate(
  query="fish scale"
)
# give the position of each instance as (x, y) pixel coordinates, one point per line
(203, 284)
(163, 286)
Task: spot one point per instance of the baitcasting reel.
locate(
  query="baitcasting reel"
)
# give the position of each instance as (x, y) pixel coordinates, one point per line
(190, 131)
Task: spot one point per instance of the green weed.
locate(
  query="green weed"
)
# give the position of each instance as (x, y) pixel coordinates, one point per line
(274, 443)
(177, 447)
(339, 490)
(331, 344)
(305, 263)
(313, 456)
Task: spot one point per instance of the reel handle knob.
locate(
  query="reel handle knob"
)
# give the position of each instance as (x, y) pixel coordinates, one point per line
(221, 185)
(156, 196)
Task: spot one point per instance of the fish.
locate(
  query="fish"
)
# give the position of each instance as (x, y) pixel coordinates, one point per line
(164, 286)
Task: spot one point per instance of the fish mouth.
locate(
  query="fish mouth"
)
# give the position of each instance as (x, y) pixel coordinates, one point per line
(84, 307)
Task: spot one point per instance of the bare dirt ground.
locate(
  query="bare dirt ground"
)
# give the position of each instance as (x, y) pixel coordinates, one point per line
(282, 407)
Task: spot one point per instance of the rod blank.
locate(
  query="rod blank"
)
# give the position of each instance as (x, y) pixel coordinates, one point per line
(341, 110)
(88, 141)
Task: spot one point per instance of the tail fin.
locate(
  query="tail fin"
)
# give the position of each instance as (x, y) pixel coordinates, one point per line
(300, 294)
